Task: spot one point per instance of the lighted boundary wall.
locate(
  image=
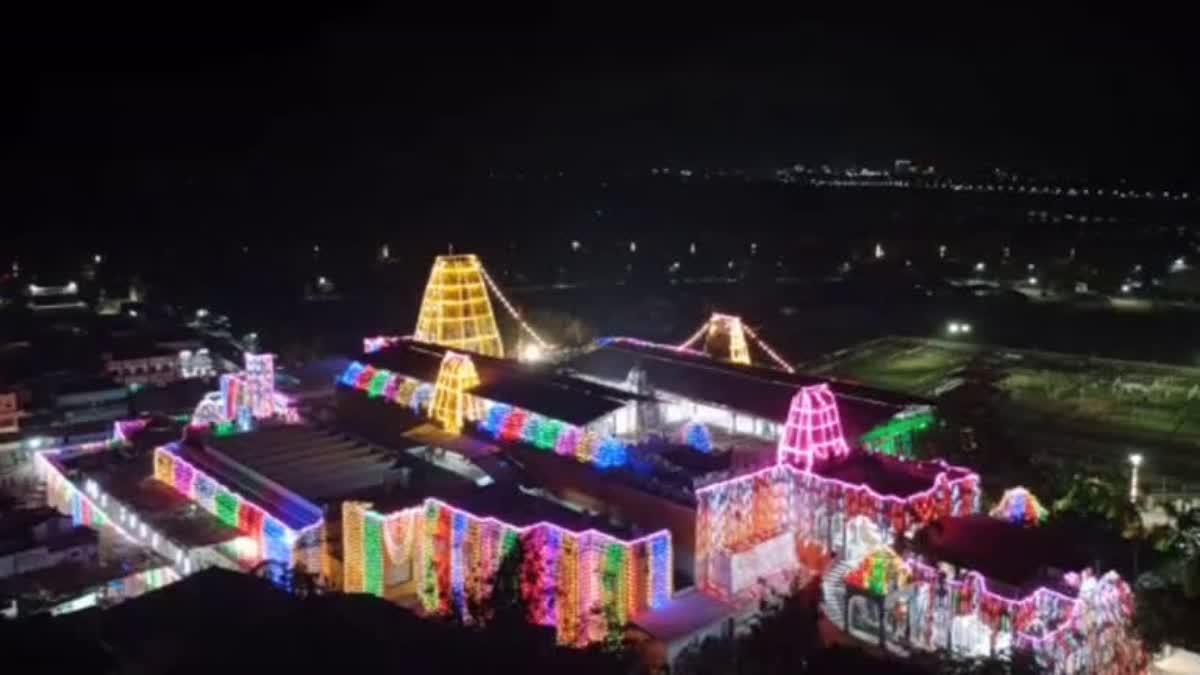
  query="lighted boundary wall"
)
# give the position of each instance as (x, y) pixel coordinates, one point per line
(577, 582)
(497, 420)
(274, 540)
(1069, 635)
(735, 515)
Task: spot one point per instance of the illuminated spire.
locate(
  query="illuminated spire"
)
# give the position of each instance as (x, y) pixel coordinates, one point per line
(728, 328)
(813, 430)
(456, 311)
(456, 375)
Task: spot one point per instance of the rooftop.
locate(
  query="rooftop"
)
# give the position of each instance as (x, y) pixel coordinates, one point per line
(164, 510)
(887, 475)
(763, 392)
(1010, 553)
(542, 391)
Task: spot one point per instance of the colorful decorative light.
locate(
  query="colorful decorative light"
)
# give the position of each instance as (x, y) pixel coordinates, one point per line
(880, 572)
(460, 551)
(455, 311)
(511, 424)
(247, 396)
(1019, 505)
(379, 342)
(813, 430)
(274, 540)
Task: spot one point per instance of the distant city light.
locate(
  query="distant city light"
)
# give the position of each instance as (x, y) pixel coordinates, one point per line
(692, 248)
(575, 245)
(385, 252)
(980, 266)
(878, 251)
(321, 281)
(1031, 267)
(958, 328)
(133, 313)
(316, 248)
(633, 247)
(1179, 265)
(98, 258)
(942, 251)
(1125, 288)
(753, 248)
(1033, 281)
(202, 313)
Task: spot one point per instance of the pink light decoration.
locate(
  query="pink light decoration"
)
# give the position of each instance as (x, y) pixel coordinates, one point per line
(636, 342)
(813, 430)
(378, 342)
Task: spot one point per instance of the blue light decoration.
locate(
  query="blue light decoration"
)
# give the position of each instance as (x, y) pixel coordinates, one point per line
(495, 419)
(350, 375)
(458, 535)
(695, 434)
(610, 453)
(275, 544)
(660, 572)
(422, 396)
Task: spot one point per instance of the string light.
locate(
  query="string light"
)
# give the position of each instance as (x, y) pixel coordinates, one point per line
(512, 310)
(460, 548)
(731, 327)
(762, 344)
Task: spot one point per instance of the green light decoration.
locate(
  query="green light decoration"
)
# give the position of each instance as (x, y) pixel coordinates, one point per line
(224, 429)
(897, 437)
(547, 434)
(429, 587)
(378, 382)
(613, 579)
(373, 555)
(227, 508)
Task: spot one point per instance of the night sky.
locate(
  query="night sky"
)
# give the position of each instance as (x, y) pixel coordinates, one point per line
(305, 118)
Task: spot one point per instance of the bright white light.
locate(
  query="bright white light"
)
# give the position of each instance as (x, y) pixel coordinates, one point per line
(385, 252)
(98, 258)
(980, 266)
(633, 247)
(71, 287)
(321, 281)
(953, 328)
(1125, 288)
(1030, 267)
(878, 251)
(201, 313)
(692, 248)
(575, 245)
(1179, 265)
(1136, 459)
(133, 313)
(966, 328)
(942, 251)
(1033, 281)
(531, 353)
(316, 248)
(730, 265)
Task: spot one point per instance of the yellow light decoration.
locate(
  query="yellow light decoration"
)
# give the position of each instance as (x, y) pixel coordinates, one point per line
(731, 328)
(456, 375)
(353, 578)
(456, 311)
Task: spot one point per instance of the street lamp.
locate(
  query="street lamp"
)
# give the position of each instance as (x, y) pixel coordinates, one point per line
(1136, 461)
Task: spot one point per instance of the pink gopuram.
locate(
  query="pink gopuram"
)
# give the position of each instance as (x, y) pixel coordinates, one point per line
(813, 430)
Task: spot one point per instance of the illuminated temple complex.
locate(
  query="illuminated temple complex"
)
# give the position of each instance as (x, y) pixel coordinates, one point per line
(661, 488)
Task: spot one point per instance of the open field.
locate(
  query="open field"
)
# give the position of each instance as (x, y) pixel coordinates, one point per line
(1101, 408)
